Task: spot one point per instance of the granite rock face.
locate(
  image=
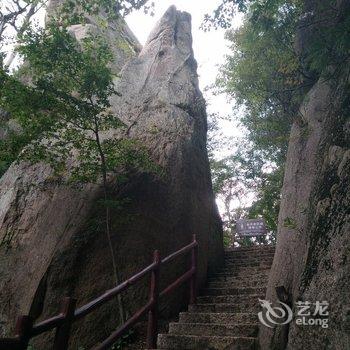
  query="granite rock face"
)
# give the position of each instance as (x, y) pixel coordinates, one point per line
(51, 246)
(120, 38)
(313, 242)
(122, 42)
(7, 125)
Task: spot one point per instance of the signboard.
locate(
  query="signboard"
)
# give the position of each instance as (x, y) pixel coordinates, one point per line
(251, 227)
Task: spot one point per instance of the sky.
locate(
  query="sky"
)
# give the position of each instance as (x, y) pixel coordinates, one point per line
(209, 48)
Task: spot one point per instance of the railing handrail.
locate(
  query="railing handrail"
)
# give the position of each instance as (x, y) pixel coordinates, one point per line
(25, 330)
(111, 293)
(179, 252)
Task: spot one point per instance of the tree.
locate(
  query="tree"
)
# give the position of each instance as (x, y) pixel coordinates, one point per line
(268, 74)
(18, 15)
(232, 191)
(15, 15)
(245, 189)
(65, 114)
(263, 76)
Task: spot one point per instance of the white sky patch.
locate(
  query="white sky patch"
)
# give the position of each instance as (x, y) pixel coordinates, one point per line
(9, 43)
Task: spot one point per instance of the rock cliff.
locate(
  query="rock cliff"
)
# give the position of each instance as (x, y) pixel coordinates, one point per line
(312, 252)
(52, 247)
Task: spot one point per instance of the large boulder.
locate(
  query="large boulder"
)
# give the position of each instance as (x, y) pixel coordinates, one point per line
(121, 40)
(51, 244)
(313, 243)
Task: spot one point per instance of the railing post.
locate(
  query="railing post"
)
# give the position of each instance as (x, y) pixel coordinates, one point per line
(193, 282)
(23, 329)
(63, 331)
(152, 329)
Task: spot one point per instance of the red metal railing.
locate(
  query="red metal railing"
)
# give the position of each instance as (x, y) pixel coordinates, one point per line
(25, 330)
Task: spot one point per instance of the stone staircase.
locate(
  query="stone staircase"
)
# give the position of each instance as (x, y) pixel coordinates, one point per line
(225, 316)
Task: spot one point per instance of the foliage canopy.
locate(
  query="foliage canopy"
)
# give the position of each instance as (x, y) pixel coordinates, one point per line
(278, 53)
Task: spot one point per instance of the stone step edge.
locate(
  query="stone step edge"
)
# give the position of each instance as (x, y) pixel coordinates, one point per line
(233, 305)
(252, 250)
(244, 324)
(214, 313)
(239, 296)
(206, 336)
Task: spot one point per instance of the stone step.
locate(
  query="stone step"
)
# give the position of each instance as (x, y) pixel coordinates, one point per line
(269, 252)
(247, 262)
(248, 259)
(238, 279)
(234, 291)
(255, 253)
(226, 313)
(245, 280)
(172, 341)
(219, 318)
(231, 299)
(243, 270)
(227, 307)
(261, 264)
(251, 249)
(236, 297)
(245, 265)
(234, 283)
(256, 266)
(237, 284)
(262, 255)
(212, 329)
(239, 276)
